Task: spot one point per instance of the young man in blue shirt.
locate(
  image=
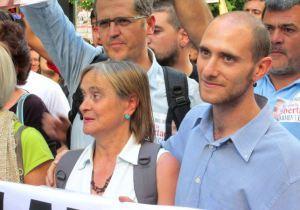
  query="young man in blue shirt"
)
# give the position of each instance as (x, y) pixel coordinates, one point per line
(233, 154)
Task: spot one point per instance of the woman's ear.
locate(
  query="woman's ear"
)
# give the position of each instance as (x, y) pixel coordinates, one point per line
(133, 103)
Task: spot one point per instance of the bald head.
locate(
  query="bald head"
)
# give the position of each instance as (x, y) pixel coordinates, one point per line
(246, 23)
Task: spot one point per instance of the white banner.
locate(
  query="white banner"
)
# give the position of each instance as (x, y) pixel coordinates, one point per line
(26, 197)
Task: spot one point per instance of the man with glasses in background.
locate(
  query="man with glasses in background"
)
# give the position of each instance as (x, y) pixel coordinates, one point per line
(123, 28)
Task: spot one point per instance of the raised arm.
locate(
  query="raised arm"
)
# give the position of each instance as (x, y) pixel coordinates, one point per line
(34, 42)
(67, 49)
(194, 16)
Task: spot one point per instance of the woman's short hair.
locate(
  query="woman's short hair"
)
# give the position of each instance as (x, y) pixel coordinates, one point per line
(7, 75)
(128, 78)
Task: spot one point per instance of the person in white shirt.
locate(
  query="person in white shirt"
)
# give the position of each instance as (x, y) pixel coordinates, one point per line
(49, 91)
(117, 113)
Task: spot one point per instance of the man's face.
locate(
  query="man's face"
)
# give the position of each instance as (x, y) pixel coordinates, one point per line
(284, 29)
(122, 42)
(164, 40)
(255, 7)
(225, 66)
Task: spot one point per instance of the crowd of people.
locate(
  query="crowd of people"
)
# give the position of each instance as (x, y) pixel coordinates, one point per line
(138, 117)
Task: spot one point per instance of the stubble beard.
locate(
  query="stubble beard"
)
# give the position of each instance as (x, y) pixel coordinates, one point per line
(170, 59)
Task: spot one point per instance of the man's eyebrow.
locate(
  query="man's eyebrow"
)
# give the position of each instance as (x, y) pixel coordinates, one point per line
(289, 25)
(202, 47)
(229, 54)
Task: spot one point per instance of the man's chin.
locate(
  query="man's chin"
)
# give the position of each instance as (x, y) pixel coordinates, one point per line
(281, 71)
(117, 56)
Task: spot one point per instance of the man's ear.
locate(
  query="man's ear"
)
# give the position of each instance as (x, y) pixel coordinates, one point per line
(150, 24)
(183, 38)
(262, 68)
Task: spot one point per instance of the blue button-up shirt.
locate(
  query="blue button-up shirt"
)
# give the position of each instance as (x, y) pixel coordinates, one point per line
(284, 102)
(257, 167)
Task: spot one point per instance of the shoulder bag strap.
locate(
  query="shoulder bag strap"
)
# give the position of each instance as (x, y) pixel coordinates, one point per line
(65, 167)
(144, 174)
(20, 107)
(178, 97)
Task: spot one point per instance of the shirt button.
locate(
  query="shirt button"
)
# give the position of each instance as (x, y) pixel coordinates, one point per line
(198, 180)
(211, 146)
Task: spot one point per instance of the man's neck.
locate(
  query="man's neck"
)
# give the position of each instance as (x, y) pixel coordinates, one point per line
(230, 117)
(282, 81)
(145, 60)
(184, 64)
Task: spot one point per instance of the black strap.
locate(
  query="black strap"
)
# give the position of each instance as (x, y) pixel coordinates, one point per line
(178, 97)
(65, 167)
(144, 174)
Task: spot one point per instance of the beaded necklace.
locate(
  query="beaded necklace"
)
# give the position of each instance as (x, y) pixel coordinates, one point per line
(97, 189)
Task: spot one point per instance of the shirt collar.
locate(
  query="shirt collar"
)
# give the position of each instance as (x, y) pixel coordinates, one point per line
(130, 152)
(86, 156)
(247, 137)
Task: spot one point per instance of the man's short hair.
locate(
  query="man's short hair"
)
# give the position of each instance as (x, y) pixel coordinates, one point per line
(167, 6)
(261, 44)
(142, 7)
(281, 5)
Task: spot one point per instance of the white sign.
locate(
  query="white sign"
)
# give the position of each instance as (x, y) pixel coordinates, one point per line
(26, 197)
(287, 110)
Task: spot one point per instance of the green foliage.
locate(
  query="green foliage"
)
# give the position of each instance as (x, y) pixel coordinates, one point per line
(232, 5)
(85, 4)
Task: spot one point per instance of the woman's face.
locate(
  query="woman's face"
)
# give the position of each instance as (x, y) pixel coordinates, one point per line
(102, 109)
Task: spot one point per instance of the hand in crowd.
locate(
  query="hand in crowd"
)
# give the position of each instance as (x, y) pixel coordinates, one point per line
(56, 128)
(50, 177)
(125, 199)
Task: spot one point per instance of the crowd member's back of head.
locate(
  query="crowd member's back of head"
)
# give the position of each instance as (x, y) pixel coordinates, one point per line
(7, 75)
(14, 37)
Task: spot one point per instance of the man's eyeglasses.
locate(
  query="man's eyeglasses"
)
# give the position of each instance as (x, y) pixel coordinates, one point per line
(119, 21)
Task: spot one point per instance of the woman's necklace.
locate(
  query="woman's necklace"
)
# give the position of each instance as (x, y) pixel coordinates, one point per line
(99, 190)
